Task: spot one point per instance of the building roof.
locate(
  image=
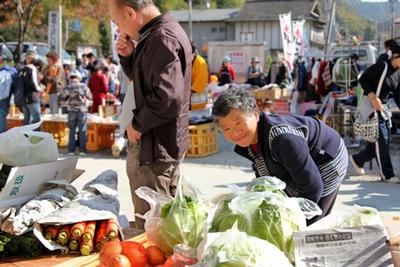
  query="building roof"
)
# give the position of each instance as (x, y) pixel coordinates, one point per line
(204, 14)
(269, 10)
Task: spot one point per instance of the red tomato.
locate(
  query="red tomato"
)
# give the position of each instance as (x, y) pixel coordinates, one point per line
(110, 249)
(155, 255)
(118, 261)
(135, 252)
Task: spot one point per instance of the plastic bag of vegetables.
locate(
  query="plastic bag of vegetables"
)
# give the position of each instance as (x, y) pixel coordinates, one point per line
(237, 249)
(182, 220)
(357, 216)
(270, 215)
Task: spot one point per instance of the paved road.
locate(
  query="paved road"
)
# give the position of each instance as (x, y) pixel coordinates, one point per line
(212, 174)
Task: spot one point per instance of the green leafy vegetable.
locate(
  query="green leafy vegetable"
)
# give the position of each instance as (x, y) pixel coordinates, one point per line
(183, 221)
(237, 249)
(270, 216)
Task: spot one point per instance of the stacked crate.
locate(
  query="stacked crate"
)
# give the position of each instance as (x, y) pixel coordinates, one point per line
(203, 140)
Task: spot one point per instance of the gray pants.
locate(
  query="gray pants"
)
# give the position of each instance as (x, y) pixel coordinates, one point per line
(162, 178)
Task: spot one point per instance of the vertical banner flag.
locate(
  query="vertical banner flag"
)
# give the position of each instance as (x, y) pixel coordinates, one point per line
(300, 39)
(287, 38)
(53, 31)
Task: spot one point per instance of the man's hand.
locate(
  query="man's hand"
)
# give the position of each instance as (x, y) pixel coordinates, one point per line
(133, 135)
(124, 45)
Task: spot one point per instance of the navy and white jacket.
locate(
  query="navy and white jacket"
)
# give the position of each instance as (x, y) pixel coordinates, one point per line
(293, 148)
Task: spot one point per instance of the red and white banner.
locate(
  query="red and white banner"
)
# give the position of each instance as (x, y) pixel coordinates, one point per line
(287, 39)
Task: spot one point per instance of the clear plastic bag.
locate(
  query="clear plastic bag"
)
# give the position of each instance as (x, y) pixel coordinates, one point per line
(235, 248)
(270, 215)
(21, 146)
(182, 220)
(357, 216)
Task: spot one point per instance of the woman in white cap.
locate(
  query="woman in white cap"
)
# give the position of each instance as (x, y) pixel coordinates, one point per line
(226, 73)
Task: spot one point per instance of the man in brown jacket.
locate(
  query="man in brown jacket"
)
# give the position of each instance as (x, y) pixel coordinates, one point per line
(156, 54)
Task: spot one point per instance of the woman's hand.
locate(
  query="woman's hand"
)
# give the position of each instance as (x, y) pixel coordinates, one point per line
(375, 101)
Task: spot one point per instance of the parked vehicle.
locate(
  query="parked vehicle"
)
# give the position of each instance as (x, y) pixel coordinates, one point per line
(366, 52)
(42, 49)
(5, 52)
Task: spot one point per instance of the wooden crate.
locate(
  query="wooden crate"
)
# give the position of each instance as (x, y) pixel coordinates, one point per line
(59, 130)
(100, 136)
(11, 123)
(281, 107)
(203, 140)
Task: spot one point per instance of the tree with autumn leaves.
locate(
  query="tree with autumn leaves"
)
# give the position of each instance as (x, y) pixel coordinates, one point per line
(22, 20)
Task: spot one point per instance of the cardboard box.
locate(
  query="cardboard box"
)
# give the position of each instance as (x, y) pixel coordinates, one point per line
(347, 247)
(23, 183)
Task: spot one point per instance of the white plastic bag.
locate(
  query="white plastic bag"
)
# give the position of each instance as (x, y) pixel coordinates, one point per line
(21, 146)
(182, 220)
(235, 248)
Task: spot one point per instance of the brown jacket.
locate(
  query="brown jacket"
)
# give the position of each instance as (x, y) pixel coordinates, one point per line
(161, 69)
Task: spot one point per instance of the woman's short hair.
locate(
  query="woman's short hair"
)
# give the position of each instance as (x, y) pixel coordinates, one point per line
(53, 55)
(234, 99)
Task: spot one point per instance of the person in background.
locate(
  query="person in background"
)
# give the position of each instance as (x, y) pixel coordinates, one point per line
(98, 84)
(30, 80)
(380, 150)
(8, 76)
(157, 55)
(254, 73)
(125, 84)
(387, 55)
(91, 61)
(200, 79)
(54, 79)
(226, 73)
(85, 61)
(303, 152)
(84, 73)
(77, 98)
(112, 67)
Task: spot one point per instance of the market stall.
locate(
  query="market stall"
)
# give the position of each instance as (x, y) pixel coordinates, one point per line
(45, 218)
(100, 132)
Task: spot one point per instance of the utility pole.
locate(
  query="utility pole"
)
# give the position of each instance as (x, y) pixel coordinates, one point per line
(190, 20)
(60, 44)
(392, 6)
(331, 17)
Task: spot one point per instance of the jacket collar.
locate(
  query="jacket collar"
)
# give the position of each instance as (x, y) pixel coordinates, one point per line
(152, 24)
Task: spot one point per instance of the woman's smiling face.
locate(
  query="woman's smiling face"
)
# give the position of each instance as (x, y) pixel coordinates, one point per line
(240, 127)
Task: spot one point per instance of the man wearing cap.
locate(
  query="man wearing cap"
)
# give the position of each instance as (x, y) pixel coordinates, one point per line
(254, 73)
(226, 73)
(77, 97)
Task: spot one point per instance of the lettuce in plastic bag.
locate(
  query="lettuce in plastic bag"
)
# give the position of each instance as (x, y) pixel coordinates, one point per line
(266, 215)
(182, 220)
(237, 249)
(357, 216)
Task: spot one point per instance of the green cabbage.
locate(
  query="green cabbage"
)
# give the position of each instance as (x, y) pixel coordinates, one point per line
(237, 249)
(270, 216)
(182, 221)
